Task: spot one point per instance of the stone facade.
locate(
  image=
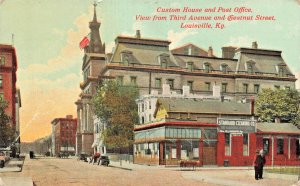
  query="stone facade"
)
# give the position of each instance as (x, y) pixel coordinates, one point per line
(93, 63)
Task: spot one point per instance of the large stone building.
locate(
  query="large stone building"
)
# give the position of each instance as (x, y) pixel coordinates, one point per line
(8, 90)
(63, 135)
(93, 63)
(149, 63)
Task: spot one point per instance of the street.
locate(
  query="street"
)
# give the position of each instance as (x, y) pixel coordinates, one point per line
(54, 171)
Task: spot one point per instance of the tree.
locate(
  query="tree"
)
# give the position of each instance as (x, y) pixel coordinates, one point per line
(6, 130)
(281, 104)
(115, 106)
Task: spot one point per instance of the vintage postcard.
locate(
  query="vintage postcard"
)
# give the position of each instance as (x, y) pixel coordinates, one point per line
(149, 92)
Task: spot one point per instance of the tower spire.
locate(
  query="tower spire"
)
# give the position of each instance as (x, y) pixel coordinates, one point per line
(95, 45)
(95, 14)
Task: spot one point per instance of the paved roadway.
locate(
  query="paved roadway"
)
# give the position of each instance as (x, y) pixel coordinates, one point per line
(62, 172)
(56, 172)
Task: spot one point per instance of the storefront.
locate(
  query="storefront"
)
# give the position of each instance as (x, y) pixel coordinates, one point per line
(168, 143)
(280, 142)
(236, 142)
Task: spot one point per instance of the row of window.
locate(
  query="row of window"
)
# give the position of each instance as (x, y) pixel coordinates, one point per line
(256, 88)
(184, 133)
(67, 134)
(280, 146)
(266, 145)
(207, 85)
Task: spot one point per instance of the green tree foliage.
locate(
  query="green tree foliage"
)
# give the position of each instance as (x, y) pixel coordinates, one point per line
(115, 106)
(282, 104)
(6, 130)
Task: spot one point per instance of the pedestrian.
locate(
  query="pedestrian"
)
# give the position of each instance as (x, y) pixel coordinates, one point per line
(255, 164)
(260, 162)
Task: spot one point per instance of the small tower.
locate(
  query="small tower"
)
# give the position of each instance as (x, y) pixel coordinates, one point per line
(95, 45)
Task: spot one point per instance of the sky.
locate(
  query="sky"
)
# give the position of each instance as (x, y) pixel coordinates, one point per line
(47, 34)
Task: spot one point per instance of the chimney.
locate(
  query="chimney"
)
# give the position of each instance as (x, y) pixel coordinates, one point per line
(228, 52)
(69, 117)
(254, 45)
(138, 34)
(210, 52)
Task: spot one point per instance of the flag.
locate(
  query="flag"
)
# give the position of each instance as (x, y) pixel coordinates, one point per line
(84, 42)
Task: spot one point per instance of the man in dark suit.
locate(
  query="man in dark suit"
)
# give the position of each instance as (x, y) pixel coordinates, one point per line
(260, 161)
(255, 164)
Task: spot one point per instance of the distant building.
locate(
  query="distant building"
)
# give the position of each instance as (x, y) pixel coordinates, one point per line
(8, 89)
(64, 135)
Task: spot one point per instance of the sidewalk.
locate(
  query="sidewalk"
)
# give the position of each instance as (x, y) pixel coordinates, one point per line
(14, 165)
(15, 181)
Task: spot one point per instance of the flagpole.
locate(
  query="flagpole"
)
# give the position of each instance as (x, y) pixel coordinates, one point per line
(12, 39)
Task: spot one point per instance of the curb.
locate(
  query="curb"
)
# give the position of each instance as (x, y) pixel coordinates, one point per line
(124, 168)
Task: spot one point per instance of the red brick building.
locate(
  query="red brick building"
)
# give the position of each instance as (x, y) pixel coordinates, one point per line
(64, 135)
(280, 142)
(213, 132)
(8, 79)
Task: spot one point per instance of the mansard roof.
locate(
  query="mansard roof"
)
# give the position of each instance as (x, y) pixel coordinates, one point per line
(204, 106)
(145, 51)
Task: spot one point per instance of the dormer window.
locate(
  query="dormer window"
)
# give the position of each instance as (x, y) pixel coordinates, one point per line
(125, 61)
(281, 69)
(207, 67)
(250, 67)
(224, 68)
(164, 63)
(190, 66)
(164, 60)
(126, 57)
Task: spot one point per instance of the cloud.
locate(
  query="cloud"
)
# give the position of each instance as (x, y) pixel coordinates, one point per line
(42, 107)
(68, 54)
(177, 37)
(49, 90)
(241, 41)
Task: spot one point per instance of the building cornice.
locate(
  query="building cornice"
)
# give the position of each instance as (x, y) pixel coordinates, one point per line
(174, 123)
(195, 73)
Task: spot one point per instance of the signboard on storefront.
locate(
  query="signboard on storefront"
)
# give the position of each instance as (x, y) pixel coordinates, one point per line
(245, 125)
